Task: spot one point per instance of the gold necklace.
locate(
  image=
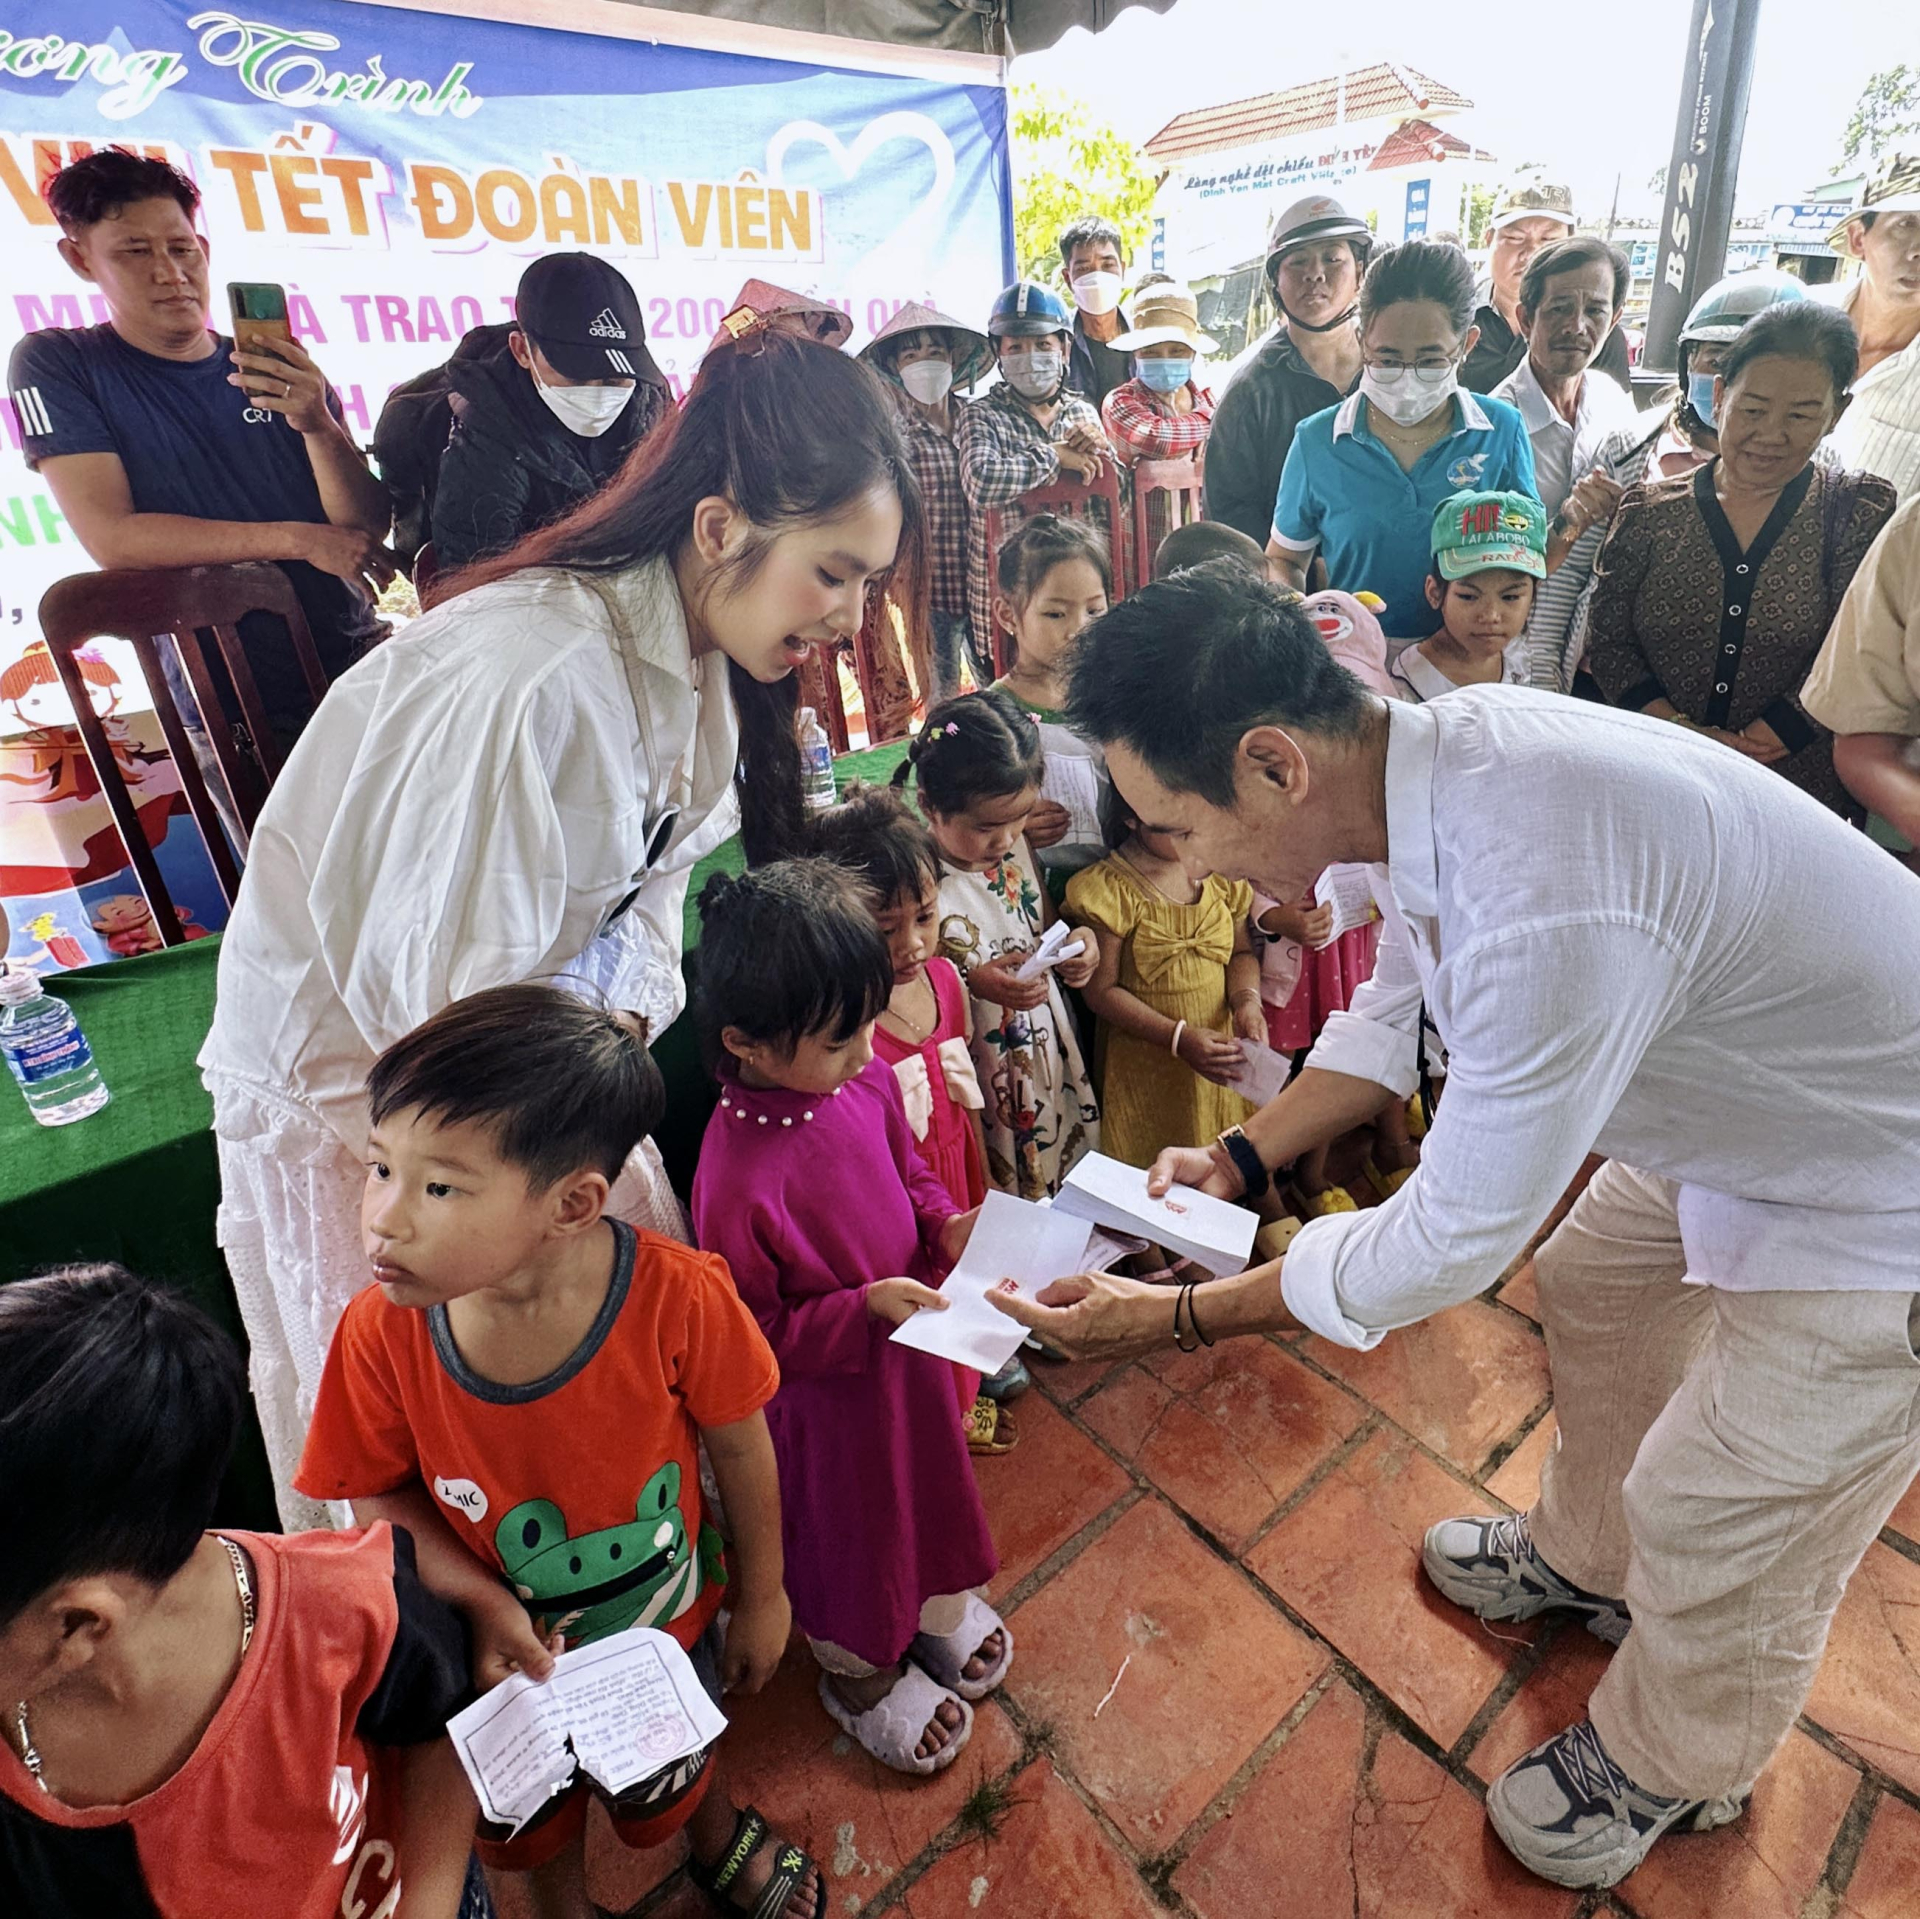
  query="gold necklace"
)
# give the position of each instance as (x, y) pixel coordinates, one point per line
(30, 1754)
(911, 1027)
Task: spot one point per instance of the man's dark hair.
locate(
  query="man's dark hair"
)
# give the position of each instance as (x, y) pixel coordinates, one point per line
(1569, 256)
(1202, 540)
(119, 1404)
(1419, 270)
(560, 1083)
(105, 183)
(1181, 671)
(1090, 230)
(1797, 330)
(787, 951)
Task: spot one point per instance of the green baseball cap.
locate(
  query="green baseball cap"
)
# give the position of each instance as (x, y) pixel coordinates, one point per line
(1475, 532)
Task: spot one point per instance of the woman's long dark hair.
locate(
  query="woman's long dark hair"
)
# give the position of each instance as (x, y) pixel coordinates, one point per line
(792, 432)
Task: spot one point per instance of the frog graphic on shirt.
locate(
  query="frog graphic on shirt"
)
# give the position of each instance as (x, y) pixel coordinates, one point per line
(592, 1584)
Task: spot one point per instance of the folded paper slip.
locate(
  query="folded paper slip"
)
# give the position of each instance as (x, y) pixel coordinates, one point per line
(619, 1710)
(1051, 951)
(1208, 1231)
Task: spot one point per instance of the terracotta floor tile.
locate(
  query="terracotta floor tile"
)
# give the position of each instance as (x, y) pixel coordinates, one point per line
(1211, 1669)
(1459, 1382)
(1884, 1882)
(1554, 1696)
(1522, 1293)
(1765, 1864)
(862, 1821)
(1906, 1515)
(1348, 1559)
(1868, 1691)
(1050, 1860)
(1038, 1496)
(1064, 1381)
(1518, 1480)
(1348, 1822)
(1227, 1434)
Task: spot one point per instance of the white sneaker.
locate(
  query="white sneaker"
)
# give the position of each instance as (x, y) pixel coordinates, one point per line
(1489, 1566)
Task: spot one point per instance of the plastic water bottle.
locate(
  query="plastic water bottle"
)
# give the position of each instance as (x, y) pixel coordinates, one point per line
(47, 1052)
(816, 759)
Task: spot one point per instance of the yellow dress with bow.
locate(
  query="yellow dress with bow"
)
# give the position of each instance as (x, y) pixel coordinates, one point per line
(1174, 959)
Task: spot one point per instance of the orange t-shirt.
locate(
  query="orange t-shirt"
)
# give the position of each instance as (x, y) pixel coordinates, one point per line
(582, 1488)
(290, 1804)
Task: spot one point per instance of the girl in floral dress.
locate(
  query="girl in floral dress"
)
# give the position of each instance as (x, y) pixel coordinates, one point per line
(979, 763)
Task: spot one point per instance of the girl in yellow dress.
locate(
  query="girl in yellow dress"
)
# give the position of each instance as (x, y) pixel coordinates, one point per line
(1176, 991)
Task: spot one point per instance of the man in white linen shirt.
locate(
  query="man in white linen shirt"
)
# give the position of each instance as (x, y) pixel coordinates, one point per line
(1880, 430)
(1629, 941)
(1571, 298)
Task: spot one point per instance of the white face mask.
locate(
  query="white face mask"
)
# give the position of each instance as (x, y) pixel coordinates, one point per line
(1034, 376)
(1097, 292)
(585, 410)
(928, 381)
(1408, 394)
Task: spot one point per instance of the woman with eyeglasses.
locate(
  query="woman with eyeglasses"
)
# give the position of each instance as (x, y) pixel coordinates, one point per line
(1363, 478)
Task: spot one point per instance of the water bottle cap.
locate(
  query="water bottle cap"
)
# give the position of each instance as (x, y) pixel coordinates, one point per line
(807, 717)
(17, 985)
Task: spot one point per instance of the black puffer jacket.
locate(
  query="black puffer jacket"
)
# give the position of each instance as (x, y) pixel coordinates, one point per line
(1252, 430)
(510, 467)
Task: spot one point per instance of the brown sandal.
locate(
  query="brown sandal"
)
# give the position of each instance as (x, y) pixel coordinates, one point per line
(989, 1428)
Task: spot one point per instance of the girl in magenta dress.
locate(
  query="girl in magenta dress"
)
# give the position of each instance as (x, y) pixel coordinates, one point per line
(812, 1189)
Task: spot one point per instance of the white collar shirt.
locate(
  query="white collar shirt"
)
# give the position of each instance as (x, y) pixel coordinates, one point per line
(1682, 962)
(1880, 430)
(516, 787)
(1417, 678)
(1564, 450)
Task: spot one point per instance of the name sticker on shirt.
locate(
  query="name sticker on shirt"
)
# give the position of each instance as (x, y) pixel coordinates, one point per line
(463, 1496)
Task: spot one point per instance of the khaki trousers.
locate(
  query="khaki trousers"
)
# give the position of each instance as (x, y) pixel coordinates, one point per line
(1724, 1461)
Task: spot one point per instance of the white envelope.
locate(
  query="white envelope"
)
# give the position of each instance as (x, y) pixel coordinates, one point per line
(1208, 1231)
(1348, 889)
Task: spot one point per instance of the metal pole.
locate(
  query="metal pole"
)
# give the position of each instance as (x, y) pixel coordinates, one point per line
(1704, 170)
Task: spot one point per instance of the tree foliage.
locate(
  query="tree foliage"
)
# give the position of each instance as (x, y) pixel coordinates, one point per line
(1065, 163)
(1884, 118)
(1479, 214)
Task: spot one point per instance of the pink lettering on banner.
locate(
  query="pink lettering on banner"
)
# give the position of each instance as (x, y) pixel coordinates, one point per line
(353, 405)
(393, 317)
(357, 304)
(59, 309)
(466, 313)
(302, 319)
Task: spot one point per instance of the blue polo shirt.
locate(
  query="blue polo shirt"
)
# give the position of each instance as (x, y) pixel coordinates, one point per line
(1343, 492)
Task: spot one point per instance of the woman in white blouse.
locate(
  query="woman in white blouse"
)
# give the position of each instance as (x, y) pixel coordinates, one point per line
(519, 787)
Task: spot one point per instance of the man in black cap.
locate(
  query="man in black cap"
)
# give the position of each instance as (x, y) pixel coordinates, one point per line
(536, 433)
(1308, 362)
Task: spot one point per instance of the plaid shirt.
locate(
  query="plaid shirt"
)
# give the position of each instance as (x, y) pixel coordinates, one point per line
(935, 460)
(1005, 452)
(1143, 425)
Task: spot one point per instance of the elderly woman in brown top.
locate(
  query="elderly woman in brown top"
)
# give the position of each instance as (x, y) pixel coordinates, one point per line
(1714, 590)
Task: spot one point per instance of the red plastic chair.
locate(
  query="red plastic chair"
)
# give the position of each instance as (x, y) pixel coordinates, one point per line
(1166, 494)
(1097, 500)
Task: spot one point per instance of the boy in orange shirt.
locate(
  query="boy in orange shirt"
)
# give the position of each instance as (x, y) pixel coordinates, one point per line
(200, 1722)
(525, 1387)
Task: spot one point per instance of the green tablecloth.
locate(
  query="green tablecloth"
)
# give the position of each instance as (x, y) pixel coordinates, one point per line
(138, 1181)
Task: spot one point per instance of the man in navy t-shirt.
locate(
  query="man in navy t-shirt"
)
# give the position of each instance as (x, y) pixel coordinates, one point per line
(166, 447)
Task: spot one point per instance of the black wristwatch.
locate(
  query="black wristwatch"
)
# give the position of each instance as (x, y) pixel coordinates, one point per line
(1246, 1162)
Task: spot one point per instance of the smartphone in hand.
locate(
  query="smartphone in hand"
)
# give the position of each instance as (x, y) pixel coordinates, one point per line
(259, 313)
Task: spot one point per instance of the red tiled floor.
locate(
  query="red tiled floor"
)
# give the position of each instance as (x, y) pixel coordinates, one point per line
(1348, 1822)
(1767, 1862)
(1522, 1293)
(1348, 1558)
(1049, 1860)
(1210, 1670)
(1064, 1381)
(1906, 1515)
(1885, 1881)
(1040, 1494)
(1554, 1696)
(1459, 1382)
(1225, 1434)
(1518, 1480)
(1868, 1691)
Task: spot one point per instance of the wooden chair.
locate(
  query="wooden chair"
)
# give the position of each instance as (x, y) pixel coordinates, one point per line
(1097, 500)
(149, 608)
(1166, 494)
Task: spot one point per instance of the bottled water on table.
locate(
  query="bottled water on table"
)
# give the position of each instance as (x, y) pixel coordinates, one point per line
(816, 758)
(47, 1052)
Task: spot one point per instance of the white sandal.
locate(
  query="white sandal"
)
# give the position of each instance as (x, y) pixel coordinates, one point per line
(945, 1657)
(891, 1730)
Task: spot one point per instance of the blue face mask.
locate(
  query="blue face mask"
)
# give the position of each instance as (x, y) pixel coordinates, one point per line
(1700, 395)
(1166, 376)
